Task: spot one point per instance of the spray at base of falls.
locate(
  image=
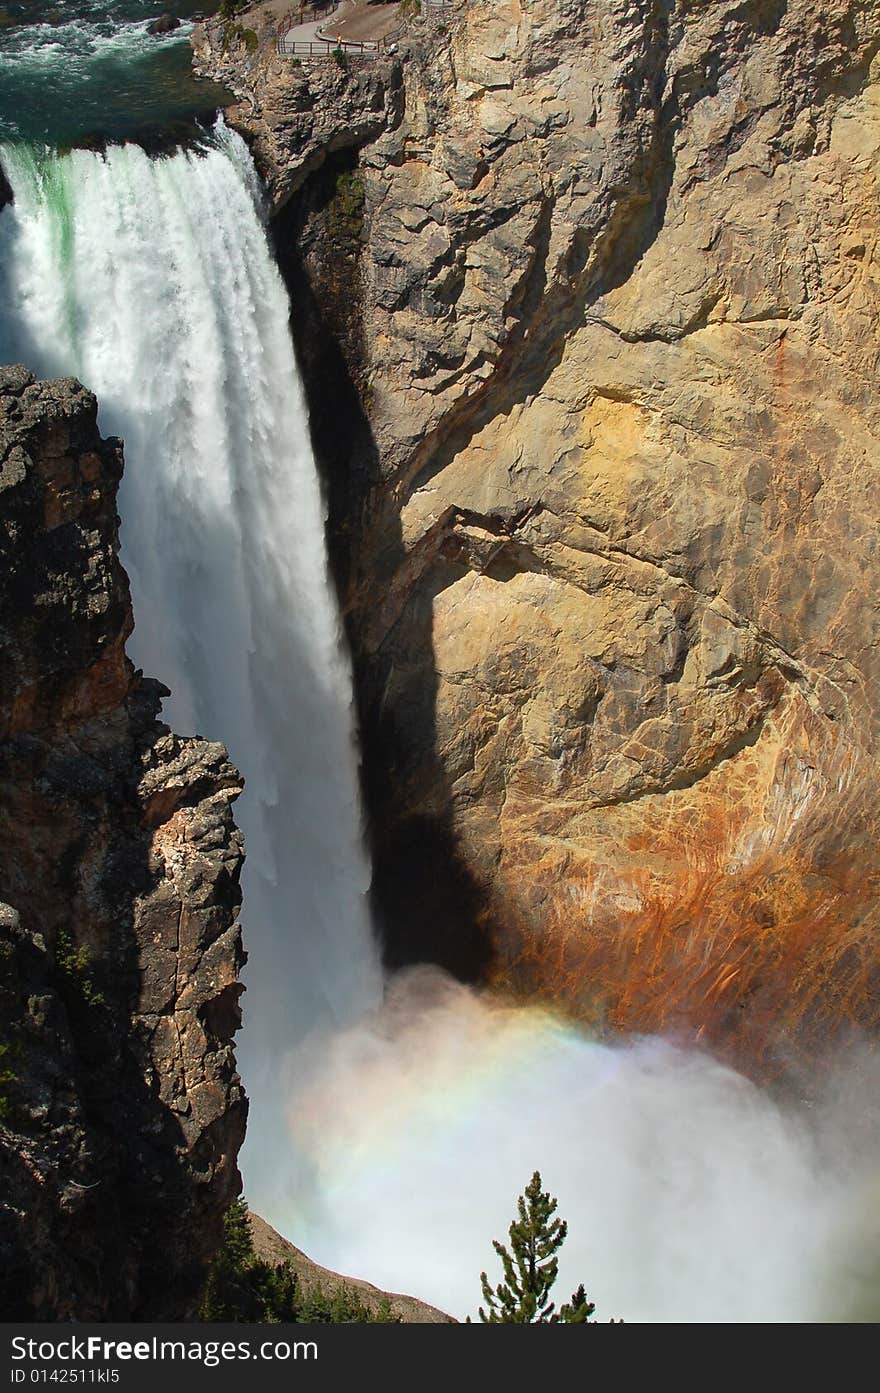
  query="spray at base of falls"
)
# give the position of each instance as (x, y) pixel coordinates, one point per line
(390, 1139)
(690, 1194)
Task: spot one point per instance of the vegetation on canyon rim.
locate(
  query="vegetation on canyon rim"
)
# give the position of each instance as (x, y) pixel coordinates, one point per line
(75, 966)
(241, 1287)
(232, 31)
(345, 212)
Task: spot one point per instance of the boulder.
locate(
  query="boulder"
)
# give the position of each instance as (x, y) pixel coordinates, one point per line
(165, 24)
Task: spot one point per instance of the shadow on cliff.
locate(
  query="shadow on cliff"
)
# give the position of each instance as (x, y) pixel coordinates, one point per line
(426, 903)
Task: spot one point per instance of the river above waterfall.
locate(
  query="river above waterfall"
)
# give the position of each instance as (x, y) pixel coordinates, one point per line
(82, 72)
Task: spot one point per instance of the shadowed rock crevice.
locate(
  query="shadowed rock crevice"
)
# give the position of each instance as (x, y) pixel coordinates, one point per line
(318, 240)
(6, 194)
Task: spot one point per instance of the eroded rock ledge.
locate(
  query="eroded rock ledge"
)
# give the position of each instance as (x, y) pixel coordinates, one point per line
(601, 435)
(121, 1112)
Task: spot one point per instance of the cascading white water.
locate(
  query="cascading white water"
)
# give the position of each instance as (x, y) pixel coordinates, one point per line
(152, 281)
(690, 1194)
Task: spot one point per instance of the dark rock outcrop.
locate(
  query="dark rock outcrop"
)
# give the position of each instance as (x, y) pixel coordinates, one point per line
(165, 24)
(121, 1112)
(6, 194)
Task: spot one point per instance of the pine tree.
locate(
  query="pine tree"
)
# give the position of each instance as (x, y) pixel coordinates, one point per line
(531, 1267)
(240, 1286)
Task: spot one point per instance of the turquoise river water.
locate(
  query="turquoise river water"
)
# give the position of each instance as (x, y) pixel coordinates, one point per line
(79, 72)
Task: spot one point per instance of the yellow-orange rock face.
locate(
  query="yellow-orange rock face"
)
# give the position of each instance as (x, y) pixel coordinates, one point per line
(614, 580)
(657, 694)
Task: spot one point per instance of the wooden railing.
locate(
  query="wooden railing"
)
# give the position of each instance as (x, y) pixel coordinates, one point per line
(323, 48)
(304, 14)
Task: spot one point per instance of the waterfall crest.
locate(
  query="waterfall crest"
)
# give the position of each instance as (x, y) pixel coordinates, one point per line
(152, 281)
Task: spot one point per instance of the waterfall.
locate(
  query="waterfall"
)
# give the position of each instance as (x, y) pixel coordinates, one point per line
(152, 281)
(390, 1133)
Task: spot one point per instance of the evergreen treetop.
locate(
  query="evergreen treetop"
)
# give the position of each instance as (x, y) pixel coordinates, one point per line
(531, 1267)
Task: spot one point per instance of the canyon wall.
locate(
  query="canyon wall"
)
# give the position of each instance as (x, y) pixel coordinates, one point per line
(121, 1112)
(586, 295)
